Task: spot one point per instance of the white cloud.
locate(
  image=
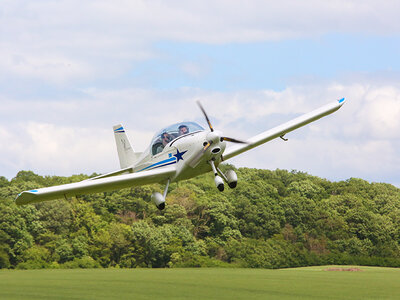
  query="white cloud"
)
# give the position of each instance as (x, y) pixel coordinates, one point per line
(65, 137)
(206, 21)
(51, 149)
(61, 41)
(196, 69)
(53, 68)
(382, 110)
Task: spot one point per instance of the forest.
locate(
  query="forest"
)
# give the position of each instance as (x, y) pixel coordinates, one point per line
(273, 219)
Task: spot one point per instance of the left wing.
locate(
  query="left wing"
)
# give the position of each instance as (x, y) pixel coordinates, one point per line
(95, 186)
(281, 130)
(114, 173)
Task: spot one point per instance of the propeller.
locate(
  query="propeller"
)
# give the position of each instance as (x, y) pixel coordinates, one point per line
(228, 139)
(212, 137)
(223, 138)
(205, 115)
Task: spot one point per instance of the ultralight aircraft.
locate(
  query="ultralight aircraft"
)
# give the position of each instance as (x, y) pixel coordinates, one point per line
(177, 152)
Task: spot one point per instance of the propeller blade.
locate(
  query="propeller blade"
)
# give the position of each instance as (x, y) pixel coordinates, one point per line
(228, 139)
(207, 146)
(205, 115)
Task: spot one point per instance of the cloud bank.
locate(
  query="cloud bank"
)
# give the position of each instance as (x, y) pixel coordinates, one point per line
(360, 140)
(64, 41)
(69, 70)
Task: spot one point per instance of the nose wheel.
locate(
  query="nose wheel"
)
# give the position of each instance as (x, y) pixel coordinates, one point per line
(219, 182)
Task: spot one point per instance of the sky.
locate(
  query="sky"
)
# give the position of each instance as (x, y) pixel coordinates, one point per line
(70, 70)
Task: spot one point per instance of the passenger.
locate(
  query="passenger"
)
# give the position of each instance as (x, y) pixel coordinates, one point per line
(183, 129)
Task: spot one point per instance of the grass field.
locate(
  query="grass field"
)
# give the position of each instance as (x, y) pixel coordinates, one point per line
(300, 283)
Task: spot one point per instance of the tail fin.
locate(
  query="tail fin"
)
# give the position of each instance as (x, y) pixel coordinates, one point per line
(126, 154)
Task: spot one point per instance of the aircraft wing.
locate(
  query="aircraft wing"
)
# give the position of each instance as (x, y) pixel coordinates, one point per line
(95, 186)
(281, 130)
(114, 173)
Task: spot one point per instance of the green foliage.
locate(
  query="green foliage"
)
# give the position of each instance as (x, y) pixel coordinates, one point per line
(3, 182)
(273, 219)
(4, 260)
(85, 262)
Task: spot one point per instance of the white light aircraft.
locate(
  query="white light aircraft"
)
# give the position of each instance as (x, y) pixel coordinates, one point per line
(180, 151)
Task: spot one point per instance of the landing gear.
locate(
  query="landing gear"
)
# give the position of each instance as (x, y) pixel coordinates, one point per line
(218, 180)
(230, 177)
(158, 199)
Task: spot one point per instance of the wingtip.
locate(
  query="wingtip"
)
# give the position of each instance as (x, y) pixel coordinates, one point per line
(25, 197)
(341, 101)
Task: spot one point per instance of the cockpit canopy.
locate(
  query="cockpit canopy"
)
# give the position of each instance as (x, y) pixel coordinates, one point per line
(168, 134)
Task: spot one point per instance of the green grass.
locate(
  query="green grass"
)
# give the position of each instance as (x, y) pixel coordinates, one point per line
(300, 283)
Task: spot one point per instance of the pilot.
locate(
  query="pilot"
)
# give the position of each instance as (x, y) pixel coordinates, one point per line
(183, 129)
(165, 139)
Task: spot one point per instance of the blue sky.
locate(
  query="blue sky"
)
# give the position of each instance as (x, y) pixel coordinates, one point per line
(268, 65)
(67, 76)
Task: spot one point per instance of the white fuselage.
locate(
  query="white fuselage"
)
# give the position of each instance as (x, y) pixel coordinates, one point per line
(181, 151)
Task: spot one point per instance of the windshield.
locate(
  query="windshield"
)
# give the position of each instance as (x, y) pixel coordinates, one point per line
(168, 134)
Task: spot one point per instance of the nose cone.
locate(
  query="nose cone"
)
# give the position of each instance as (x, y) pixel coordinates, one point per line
(214, 136)
(218, 146)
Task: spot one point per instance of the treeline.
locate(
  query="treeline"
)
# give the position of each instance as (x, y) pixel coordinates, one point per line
(273, 219)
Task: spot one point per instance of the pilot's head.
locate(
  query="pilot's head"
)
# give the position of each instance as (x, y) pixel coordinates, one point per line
(183, 129)
(166, 138)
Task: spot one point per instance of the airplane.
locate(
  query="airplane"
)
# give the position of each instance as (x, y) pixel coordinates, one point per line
(178, 152)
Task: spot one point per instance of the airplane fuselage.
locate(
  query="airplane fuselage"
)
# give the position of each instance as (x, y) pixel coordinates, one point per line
(181, 151)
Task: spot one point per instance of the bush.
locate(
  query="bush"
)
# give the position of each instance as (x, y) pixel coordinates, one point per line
(28, 265)
(197, 261)
(4, 260)
(85, 262)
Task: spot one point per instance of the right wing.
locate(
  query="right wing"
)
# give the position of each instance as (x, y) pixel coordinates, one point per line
(281, 130)
(95, 186)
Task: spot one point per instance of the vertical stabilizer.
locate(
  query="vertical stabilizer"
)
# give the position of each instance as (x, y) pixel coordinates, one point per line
(126, 153)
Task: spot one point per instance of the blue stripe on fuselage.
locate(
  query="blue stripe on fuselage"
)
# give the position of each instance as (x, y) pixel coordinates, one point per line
(162, 163)
(171, 163)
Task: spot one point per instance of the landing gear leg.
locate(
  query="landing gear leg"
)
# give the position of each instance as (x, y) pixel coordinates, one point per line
(158, 199)
(218, 180)
(166, 189)
(230, 177)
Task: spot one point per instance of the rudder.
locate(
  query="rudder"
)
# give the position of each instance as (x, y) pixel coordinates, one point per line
(126, 153)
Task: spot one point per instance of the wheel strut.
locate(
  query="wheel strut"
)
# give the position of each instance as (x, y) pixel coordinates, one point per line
(219, 182)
